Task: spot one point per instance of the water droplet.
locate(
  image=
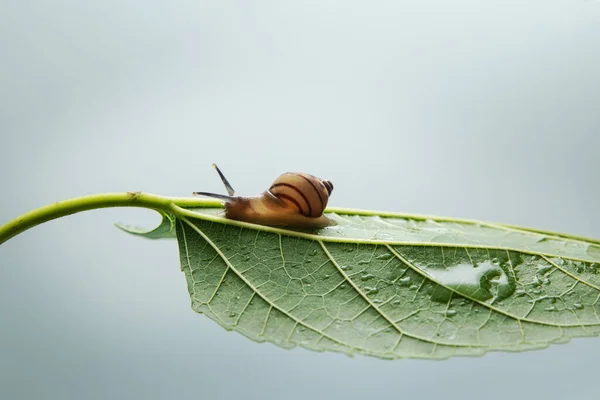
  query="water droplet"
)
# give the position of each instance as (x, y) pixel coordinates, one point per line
(552, 308)
(377, 301)
(364, 262)
(396, 302)
(232, 314)
(313, 253)
(385, 256)
(346, 267)
(544, 269)
(450, 313)
(371, 290)
(413, 287)
(404, 281)
(484, 282)
(343, 286)
(367, 277)
(326, 277)
(578, 305)
(237, 297)
(547, 282)
(520, 293)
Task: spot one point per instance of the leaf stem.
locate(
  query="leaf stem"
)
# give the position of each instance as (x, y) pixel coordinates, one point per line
(96, 201)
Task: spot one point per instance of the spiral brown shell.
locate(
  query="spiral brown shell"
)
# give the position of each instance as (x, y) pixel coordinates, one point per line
(306, 193)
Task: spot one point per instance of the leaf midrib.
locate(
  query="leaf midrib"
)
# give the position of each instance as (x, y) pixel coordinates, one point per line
(329, 239)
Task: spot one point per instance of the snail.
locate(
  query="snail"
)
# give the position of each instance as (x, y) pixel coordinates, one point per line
(293, 200)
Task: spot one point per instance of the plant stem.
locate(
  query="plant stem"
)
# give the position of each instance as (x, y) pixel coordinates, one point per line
(92, 202)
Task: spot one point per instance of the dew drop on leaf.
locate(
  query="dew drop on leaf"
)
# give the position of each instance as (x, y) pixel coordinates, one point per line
(404, 281)
(366, 277)
(371, 290)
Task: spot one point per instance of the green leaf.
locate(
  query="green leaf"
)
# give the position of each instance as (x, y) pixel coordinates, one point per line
(165, 230)
(392, 286)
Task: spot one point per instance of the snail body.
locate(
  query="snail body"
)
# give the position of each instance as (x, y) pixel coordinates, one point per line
(292, 200)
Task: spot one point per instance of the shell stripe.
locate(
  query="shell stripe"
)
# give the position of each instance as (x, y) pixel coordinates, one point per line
(291, 199)
(317, 190)
(294, 200)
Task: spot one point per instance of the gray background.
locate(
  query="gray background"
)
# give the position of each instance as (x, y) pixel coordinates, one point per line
(476, 109)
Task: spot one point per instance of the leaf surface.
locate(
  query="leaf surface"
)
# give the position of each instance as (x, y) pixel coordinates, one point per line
(392, 286)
